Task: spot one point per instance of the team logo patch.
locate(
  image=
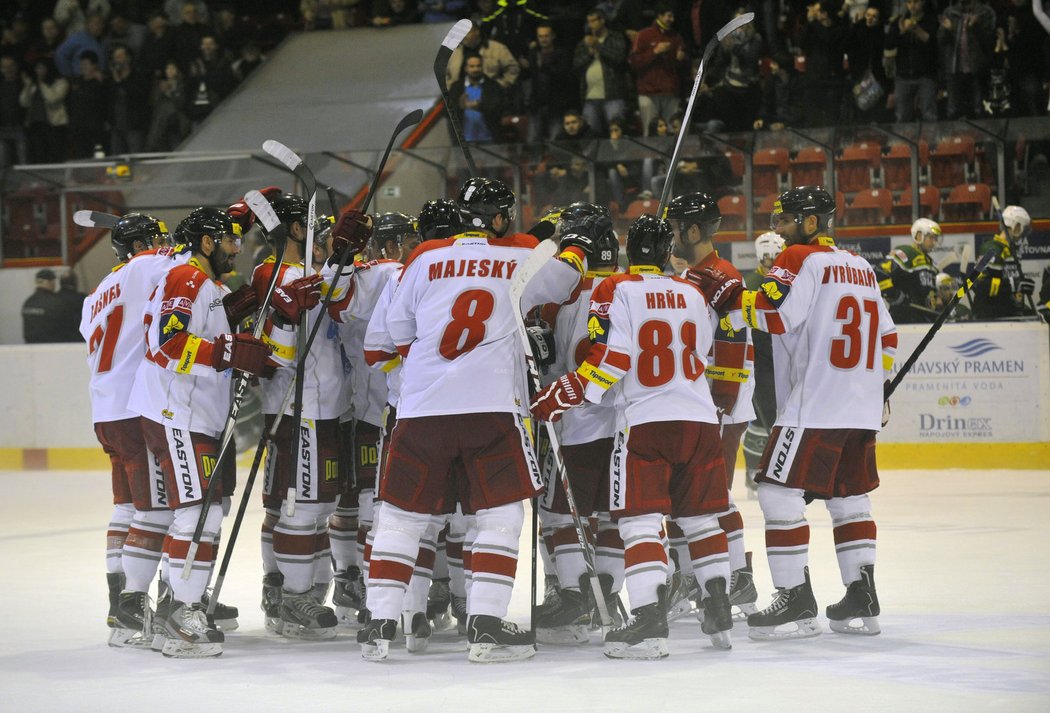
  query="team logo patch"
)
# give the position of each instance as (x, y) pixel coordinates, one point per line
(781, 274)
(594, 328)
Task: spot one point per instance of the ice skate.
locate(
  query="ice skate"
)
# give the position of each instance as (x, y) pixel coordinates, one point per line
(860, 603)
(495, 640)
(438, 602)
(644, 636)
(417, 630)
(304, 618)
(273, 584)
(188, 633)
(159, 629)
(568, 622)
(551, 594)
(680, 596)
(742, 592)
(612, 601)
(458, 608)
(133, 622)
(346, 597)
(792, 615)
(375, 638)
(717, 616)
(115, 584)
(224, 616)
(319, 592)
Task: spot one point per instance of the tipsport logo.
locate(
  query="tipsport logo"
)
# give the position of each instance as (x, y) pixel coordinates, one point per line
(953, 401)
(975, 348)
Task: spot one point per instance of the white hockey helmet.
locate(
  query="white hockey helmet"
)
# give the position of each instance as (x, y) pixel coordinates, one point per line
(944, 280)
(1016, 219)
(768, 245)
(923, 227)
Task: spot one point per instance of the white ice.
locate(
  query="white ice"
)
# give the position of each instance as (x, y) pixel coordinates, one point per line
(962, 577)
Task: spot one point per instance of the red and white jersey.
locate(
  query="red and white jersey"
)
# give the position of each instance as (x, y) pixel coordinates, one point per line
(352, 313)
(111, 324)
(326, 393)
(651, 333)
(833, 338)
(453, 323)
(175, 384)
(590, 421)
(379, 349)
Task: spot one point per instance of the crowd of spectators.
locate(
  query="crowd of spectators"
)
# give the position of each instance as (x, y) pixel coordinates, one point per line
(80, 77)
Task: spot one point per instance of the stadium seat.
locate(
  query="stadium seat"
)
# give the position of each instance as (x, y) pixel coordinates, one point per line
(951, 161)
(967, 202)
(33, 224)
(734, 212)
(736, 162)
(870, 207)
(929, 205)
(638, 207)
(769, 167)
(514, 128)
(807, 168)
(765, 207)
(896, 165)
(858, 166)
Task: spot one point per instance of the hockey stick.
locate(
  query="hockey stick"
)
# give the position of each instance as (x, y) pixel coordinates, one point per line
(95, 219)
(672, 168)
(972, 278)
(294, 163)
(448, 45)
(537, 259)
(1013, 247)
(410, 119)
(262, 208)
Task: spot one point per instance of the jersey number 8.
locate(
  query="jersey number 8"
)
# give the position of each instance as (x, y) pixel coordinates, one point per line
(469, 312)
(656, 362)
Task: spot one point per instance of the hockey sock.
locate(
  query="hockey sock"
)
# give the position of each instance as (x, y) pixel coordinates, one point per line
(423, 571)
(854, 531)
(569, 562)
(441, 555)
(365, 516)
(294, 544)
(644, 557)
(708, 550)
(397, 537)
(494, 558)
(732, 523)
(468, 547)
(787, 533)
(178, 544)
(116, 533)
(457, 530)
(608, 551)
(678, 550)
(546, 547)
(342, 531)
(270, 518)
(323, 572)
(143, 547)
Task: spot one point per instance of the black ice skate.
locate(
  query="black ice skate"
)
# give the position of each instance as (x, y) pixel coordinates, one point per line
(792, 615)
(458, 607)
(742, 592)
(224, 616)
(273, 584)
(681, 591)
(551, 594)
(417, 630)
(438, 601)
(375, 638)
(495, 640)
(861, 603)
(644, 636)
(612, 601)
(115, 583)
(346, 594)
(304, 618)
(133, 622)
(188, 633)
(716, 613)
(568, 622)
(160, 616)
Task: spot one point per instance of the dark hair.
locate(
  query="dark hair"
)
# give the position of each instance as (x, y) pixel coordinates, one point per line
(598, 12)
(49, 65)
(89, 55)
(571, 112)
(661, 7)
(655, 121)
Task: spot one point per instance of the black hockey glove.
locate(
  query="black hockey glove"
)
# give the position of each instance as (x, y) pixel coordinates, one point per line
(541, 339)
(1026, 286)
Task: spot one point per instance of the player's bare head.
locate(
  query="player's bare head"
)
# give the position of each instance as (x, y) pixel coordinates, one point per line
(389, 234)
(136, 232)
(211, 233)
(439, 219)
(801, 214)
(926, 233)
(649, 241)
(697, 217)
(487, 204)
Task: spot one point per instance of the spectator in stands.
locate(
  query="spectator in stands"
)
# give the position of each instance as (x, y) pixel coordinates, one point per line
(781, 95)
(231, 33)
(72, 301)
(331, 14)
(387, 13)
(967, 37)
(73, 14)
(823, 42)
(88, 108)
(1025, 45)
(865, 47)
(914, 36)
(210, 80)
(250, 59)
(512, 23)
(188, 35)
(123, 31)
(708, 16)
(175, 10)
(629, 16)
(659, 60)
(169, 124)
(159, 47)
(496, 60)
(574, 130)
(128, 94)
(600, 61)
(42, 310)
(44, 99)
(479, 102)
(551, 91)
(562, 185)
(45, 46)
(12, 114)
(443, 10)
(737, 98)
(622, 177)
(14, 40)
(68, 54)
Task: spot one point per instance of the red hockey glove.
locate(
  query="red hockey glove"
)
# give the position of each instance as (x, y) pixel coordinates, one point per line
(558, 398)
(242, 215)
(296, 297)
(720, 289)
(239, 304)
(240, 351)
(352, 231)
(724, 394)
(271, 192)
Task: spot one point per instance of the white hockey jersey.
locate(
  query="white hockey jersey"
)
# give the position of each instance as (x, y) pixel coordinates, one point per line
(379, 349)
(111, 324)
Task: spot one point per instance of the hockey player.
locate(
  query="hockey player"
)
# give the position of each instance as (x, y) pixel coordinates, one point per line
(1005, 289)
(834, 343)
(462, 398)
(115, 342)
(729, 373)
(651, 333)
(910, 289)
(182, 391)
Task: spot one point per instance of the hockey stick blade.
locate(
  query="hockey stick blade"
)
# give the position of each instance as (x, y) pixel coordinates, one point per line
(454, 37)
(448, 45)
(262, 209)
(293, 162)
(95, 219)
(734, 24)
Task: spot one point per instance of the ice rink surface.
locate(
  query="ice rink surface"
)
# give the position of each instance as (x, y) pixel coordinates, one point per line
(962, 575)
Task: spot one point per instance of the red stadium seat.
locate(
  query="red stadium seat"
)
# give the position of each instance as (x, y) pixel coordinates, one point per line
(870, 207)
(765, 207)
(769, 166)
(807, 168)
(637, 208)
(856, 169)
(929, 205)
(951, 161)
(736, 163)
(734, 212)
(896, 165)
(967, 202)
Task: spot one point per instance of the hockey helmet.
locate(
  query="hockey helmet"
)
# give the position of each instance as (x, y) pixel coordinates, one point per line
(767, 246)
(290, 208)
(695, 208)
(605, 246)
(576, 212)
(801, 203)
(391, 227)
(482, 199)
(924, 227)
(649, 241)
(439, 219)
(205, 221)
(136, 227)
(1017, 221)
